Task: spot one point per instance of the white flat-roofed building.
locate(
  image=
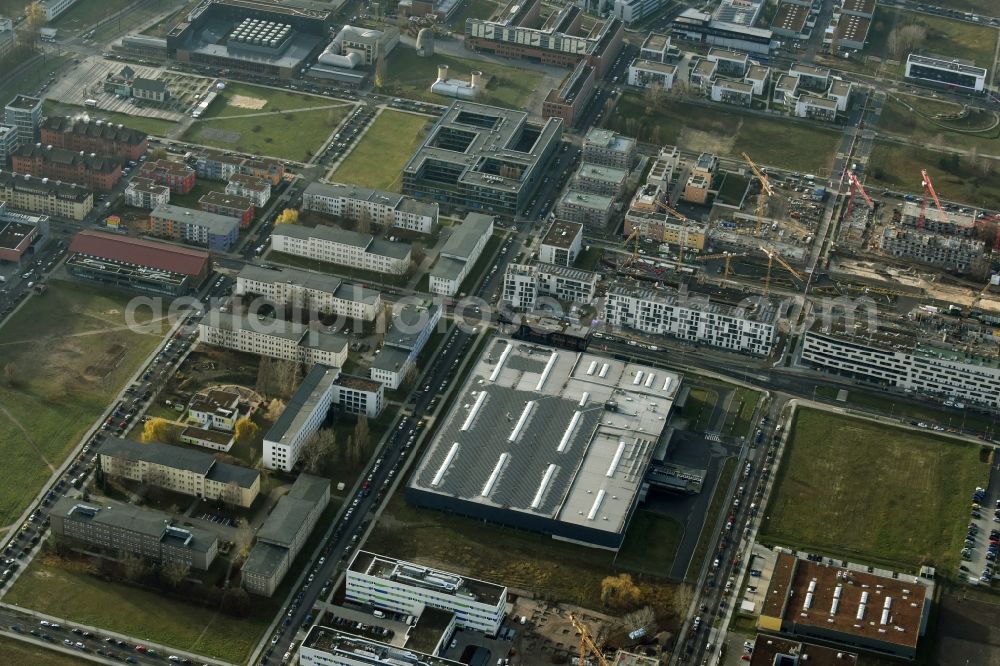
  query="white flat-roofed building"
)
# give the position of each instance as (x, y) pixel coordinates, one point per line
(817, 108)
(759, 77)
(523, 284)
(547, 440)
(840, 92)
(655, 48)
(693, 318)
(561, 244)
(144, 193)
(404, 587)
(736, 93)
(731, 63)
(303, 416)
(276, 338)
(359, 395)
(387, 209)
(645, 73)
(412, 326)
(631, 11)
(306, 290)
(215, 408)
(591, 210)
(811, 78)
(340, 246)
(256, 189)
(946, 72)
(53, 8)
(324, 646)
(786, 90)
(460, 253)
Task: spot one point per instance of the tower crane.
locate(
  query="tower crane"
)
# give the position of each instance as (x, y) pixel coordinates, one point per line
(925, 180)
(856, 188)
(766, 191)
(728, 256)
(587, 644)
(682, 236)
(773, 256)
(633, 238)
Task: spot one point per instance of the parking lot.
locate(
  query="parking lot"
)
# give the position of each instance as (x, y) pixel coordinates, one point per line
(982, 541)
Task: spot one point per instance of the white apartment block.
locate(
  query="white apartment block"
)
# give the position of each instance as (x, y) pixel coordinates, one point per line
(561, 244)
(460, 253)
(404, 587)
(816, 108)
(736, 93)
(324, 646)
(53, 8)
(646, 73)
(179, 469)
(256, 189)
(345, 248)
(387, 209)
(411, 327)
(309, 291)
(359, 395)
(523, 284)
(692, 318)
(922, 368)
(144, 193)
(276, 338)
(655, 47)
(302, 417)
(215, 408)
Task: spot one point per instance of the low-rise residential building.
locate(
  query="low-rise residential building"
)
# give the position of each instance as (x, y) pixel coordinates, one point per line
(256, 189)
(230, 205)
(816, 108)
(572, 95)
(561, 244)
(340, 246)
(303, 416)
(655, 48)
(179, 469)
(324, 646)
(608, 148)
(179, 177)
(307, 290)
(694, 318)
(216, 232)
(146, 193)
(44, 195)
(128, 529)
(935, 249)
(98, 172)
(216, 165)
(731, 63)
(405, 587)
(703, 73)
(523, 284)
(840, 92)
(215, 408)
(93, 136)
(786, 90)
(359, 395)
(412, 325)
(596, 179)
(591, 210)
(284, 533)
(816, 79)
(736, 93)
(275, 338)
(460, 253)
(387, 209)
(759, 77)
(646, 73)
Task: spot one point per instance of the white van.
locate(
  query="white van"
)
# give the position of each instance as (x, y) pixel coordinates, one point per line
(378, 614)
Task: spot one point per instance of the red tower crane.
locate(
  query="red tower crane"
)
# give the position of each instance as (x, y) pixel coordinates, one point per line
(856, 188)
(928, 190)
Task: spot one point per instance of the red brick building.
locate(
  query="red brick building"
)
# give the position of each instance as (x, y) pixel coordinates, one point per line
(572, 95)
(94, 136)
(177, 176)
(98, 172)
(230, 205)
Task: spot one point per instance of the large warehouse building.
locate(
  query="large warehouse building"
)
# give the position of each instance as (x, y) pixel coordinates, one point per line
(548, 440)
(134, 263)
(482, 157)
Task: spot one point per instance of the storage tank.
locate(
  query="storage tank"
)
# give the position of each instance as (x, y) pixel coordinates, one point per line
(425, 43)
(477, 79)
(442, 73)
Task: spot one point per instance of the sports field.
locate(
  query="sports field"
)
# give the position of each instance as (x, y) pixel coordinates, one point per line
(875, 493)
(378, 158)
(63, 356)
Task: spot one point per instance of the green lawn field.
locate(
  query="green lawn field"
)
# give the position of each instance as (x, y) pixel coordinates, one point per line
(292, 135)
(16, 652)
(897, 166)
(857, 489)
(86, 599)
(979, 129)
(651, 544)
(240, 99)
(378, 158)
(86, 13)
(725, 131)
(68, 353)
(410, 76)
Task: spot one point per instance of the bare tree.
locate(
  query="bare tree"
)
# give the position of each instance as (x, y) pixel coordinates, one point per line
(681, 602)
(364, 222)
(274, 409)
(654, 96)
(174, 572)
(231, 495)
(906, 38)
(288, 376)
(243, 538)
(265, 376)
(361, 430)
(134, 566)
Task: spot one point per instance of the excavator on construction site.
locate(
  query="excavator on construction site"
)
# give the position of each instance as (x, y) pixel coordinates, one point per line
(766, 191)
(587, 644)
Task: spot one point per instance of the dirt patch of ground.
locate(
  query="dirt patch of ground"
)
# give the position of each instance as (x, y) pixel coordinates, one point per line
(706, 142)
(244, 102)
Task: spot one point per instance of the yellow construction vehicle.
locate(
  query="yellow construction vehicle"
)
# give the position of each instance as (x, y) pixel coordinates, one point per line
(587, 644)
